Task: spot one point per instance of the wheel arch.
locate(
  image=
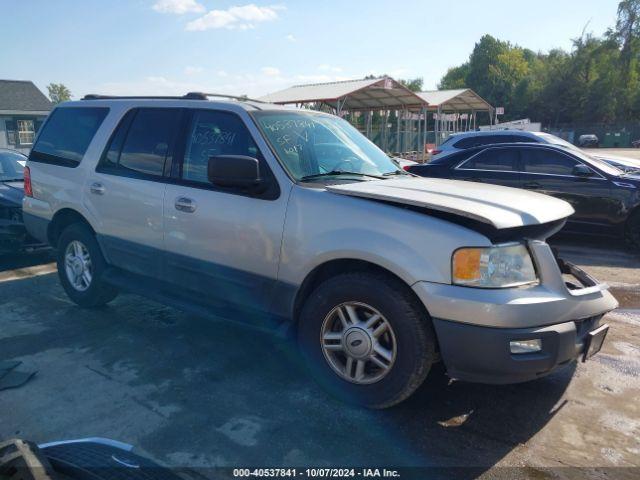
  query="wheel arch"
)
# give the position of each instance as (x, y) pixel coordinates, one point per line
(334, 267)
(61, 220)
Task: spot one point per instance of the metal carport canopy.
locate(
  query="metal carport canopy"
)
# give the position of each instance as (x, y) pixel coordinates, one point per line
(377, 93)
(463, 99)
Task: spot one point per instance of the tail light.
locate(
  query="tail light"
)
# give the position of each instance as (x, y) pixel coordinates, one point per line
(28, 191)
(435, 152)
(407, 167)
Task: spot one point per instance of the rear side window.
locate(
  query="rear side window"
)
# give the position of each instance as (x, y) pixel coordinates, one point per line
(480, 140)
(67, 135)
(143, 142)
(466, 142)
(494, 159)
(524, 139)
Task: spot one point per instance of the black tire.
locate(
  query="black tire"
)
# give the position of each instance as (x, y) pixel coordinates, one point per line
(98, 292)
(415, 338)
(632, 231)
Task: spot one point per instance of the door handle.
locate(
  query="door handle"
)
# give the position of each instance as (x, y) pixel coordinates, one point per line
(185, 204)
(97, 188)
(532, 185)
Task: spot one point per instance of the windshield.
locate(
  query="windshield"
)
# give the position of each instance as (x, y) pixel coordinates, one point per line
(11, 166)
(312, 145)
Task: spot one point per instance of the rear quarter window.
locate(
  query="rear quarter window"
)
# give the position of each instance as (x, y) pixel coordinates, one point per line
(67, 134)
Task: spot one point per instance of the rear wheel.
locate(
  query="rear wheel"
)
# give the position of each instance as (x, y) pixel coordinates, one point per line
(632, 230)
(366, 339)
(81, 266)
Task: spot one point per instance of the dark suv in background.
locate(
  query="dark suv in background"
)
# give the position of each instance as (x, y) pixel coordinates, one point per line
(606, 200)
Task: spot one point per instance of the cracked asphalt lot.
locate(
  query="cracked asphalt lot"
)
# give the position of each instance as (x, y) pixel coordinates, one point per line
(195, 393)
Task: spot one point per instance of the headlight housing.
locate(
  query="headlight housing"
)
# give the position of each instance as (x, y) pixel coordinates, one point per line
(499, 266)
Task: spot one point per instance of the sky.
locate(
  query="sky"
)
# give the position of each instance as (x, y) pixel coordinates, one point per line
(254, 47)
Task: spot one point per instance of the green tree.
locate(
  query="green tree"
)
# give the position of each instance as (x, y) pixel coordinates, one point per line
(628, 32)
(413, 84)
(598, 81)
(58, 93)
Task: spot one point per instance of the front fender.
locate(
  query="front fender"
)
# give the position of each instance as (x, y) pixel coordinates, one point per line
(321, 226)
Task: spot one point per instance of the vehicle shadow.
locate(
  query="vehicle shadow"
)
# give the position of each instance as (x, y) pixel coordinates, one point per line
(196, 393)
(24, 260)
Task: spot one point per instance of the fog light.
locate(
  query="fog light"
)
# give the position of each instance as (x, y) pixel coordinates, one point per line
(525, 346)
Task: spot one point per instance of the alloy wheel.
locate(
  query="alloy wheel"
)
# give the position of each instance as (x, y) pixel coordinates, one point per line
(358, 342)
(78, 267)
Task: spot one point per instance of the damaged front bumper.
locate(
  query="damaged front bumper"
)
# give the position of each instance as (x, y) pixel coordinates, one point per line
(475, 327)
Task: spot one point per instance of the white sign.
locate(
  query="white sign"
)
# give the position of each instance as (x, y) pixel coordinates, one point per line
(499, 110)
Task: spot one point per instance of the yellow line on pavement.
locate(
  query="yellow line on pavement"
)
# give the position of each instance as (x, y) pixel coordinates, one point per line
(27, 272)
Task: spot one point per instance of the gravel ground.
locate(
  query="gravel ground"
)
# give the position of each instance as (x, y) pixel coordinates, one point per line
(196, 393)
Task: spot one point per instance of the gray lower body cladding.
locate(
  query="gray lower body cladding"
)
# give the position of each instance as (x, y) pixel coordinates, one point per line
(482, 354)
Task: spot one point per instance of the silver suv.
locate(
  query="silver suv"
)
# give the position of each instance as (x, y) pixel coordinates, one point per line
(292, 220)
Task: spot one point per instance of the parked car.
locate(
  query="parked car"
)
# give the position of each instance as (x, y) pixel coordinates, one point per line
(293, 220)
(403, 162)
(606, 200)
(13, 235)
(464, 140)
(588, 141)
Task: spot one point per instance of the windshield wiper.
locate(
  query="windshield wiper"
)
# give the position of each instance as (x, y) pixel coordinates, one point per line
(395, 172)
(336, 173)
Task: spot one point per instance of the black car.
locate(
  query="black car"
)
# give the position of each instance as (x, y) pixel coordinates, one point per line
(13, 236)
(606, 200)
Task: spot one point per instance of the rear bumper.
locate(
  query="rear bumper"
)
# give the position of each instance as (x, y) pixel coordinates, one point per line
(481, 354)
(14, 237)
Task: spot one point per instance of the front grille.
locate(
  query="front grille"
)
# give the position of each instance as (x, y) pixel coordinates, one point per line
(586, 325)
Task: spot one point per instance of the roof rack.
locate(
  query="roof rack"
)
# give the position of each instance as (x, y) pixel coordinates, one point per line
(231, 97)
(188, 96)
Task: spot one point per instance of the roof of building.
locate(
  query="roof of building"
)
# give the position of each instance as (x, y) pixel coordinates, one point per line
(361, 94)
(22, 96)
(462, 99)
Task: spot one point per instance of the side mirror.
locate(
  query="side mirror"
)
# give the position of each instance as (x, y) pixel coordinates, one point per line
(581, 170)
(234, 171)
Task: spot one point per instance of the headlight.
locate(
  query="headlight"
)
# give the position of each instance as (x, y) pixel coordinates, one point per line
(500, 266)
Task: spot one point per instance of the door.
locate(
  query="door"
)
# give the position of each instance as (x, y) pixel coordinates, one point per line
(126, 192)
(222, 243)
(552, 172)
(495, 165)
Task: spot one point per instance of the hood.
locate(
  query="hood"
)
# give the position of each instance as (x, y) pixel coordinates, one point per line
(500, 207)
(11, 192)
(626, 161)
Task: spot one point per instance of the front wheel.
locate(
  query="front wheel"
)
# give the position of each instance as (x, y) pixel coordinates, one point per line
(80, 267)
(367, 339)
